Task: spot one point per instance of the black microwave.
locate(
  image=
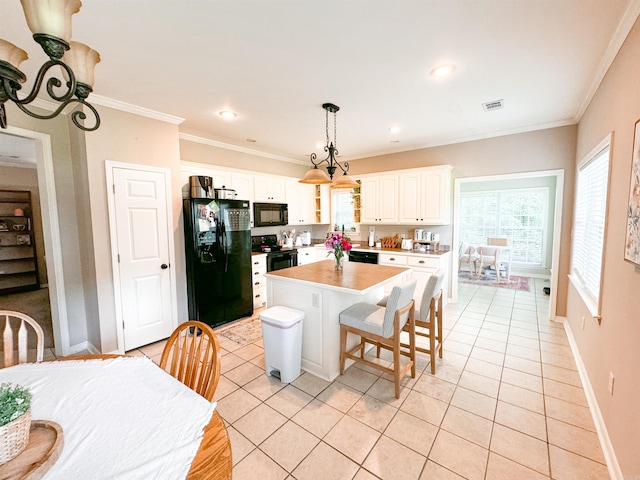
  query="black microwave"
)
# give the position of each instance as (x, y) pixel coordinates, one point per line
(270, 214)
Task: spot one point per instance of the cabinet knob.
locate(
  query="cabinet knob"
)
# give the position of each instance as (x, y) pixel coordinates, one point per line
(421, 261)
(164, 266)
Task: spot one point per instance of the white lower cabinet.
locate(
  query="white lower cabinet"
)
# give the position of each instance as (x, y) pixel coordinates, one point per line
(422, 267)
(307, 255)
(258, 280)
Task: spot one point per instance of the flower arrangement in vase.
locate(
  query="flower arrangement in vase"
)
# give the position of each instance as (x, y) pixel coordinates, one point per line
(339, 244)
(15, 420)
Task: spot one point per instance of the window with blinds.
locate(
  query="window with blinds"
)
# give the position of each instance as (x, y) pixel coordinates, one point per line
(518, 214)
(589, 224)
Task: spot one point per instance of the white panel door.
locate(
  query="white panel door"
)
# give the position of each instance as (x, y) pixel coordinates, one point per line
(143, 225)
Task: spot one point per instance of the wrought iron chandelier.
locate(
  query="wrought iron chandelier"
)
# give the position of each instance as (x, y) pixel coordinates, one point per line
(50, 23)
(316, 176)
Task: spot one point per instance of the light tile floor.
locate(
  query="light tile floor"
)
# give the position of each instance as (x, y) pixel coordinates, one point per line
(506, 402)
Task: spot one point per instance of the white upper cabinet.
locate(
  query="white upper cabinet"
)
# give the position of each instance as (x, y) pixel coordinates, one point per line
(425, 196)
(302, 202)
(379, 199)
(242, 183)
(269, 189)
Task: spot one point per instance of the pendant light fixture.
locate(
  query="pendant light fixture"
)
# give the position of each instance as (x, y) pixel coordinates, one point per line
(316, 176)
(50, 23)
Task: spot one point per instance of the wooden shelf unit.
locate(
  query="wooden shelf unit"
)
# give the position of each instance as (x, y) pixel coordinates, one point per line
(18, 261)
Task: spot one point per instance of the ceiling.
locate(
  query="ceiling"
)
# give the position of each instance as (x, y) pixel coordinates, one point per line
(275, 62)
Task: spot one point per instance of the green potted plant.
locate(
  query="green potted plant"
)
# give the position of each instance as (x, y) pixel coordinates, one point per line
(15, 420)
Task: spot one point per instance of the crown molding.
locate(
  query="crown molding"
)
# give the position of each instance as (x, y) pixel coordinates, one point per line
(136, 110)
(226, 146)
(471, 138)
(624, 27)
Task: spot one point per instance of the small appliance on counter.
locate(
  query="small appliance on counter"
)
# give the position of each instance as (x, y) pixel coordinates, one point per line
(407, 244)
(306, 237)
(224, 193)
(200, 186)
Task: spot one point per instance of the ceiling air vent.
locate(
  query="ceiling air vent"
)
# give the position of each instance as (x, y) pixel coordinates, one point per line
(491, 106)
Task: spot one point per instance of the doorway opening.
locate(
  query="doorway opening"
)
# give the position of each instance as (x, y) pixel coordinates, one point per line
(27, 156)
(514, 232)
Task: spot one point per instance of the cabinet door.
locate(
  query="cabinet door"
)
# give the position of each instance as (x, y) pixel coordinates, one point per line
(369, 200)
(410, 189)
(243, 185)
(293, 191)
(388, 199)
(436, 190)
(306, 256)
(269, 189)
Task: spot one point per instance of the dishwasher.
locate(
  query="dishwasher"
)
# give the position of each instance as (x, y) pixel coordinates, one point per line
(363, 257)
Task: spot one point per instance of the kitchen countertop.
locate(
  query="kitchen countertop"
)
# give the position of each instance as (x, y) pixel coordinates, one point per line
(365, 248)
(358, 277)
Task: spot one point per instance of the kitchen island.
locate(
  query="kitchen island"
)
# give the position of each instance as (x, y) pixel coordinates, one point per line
(322, 293)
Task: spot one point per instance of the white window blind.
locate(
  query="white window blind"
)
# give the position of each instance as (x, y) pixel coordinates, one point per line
(589, 222)
(517, 214)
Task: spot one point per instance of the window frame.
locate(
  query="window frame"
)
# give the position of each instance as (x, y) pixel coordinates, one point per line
(591, 301)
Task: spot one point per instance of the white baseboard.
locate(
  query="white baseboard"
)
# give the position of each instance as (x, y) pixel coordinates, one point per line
(594, 408)
(81, 347)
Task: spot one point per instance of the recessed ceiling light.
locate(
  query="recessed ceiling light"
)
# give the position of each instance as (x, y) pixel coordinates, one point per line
(443, 70)
(394, 129)
(228, 114)
(319, 146)
(394, 141)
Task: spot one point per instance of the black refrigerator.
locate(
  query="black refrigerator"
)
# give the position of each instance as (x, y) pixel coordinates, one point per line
(218, 254)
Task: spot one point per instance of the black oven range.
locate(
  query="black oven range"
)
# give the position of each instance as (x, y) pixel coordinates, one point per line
(277, 256)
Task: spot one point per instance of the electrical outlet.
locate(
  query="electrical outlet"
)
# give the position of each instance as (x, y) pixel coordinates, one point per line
(611, 379)
(582, 323)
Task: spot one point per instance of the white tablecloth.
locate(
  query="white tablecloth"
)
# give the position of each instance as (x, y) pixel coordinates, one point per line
(123, 418)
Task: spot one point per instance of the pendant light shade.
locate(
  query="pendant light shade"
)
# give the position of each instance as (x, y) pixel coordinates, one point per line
(345, 181)
(51, 17)
(11, 54)
(315, 176)
(82, 60)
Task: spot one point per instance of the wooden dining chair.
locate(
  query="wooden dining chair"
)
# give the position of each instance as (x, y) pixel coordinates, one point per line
(489, 256)
(192, 355)
(16, 327)
(381, 326)
(468, 255)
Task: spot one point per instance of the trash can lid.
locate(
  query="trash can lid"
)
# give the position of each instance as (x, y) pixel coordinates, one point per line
(283, 317)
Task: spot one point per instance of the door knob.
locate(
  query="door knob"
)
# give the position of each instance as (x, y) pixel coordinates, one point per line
(164, 266)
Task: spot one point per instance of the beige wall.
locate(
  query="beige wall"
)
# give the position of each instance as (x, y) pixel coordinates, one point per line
(208, 154)
(18, 178)
(541, 150)
(613, 345)
(127, 138)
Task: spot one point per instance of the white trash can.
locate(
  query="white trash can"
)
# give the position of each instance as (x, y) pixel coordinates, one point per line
(282, 340)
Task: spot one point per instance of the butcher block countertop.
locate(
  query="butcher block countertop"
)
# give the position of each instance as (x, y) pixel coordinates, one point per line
(359, 277)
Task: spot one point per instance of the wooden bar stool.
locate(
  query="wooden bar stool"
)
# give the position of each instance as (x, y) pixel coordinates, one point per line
(381, 326)
(429, 317)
